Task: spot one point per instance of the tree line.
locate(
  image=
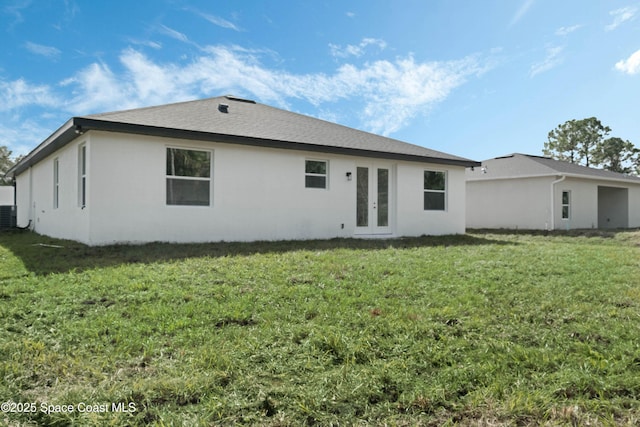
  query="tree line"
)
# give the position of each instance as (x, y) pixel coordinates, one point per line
(6, 163)
(585, 142)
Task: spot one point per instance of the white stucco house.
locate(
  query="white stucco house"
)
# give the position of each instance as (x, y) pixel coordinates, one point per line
(231, 169)
(522, 191)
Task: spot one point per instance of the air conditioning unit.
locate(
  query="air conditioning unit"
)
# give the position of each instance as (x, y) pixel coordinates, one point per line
(8, 216)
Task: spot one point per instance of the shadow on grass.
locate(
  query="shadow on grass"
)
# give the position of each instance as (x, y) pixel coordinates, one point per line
(43, 255)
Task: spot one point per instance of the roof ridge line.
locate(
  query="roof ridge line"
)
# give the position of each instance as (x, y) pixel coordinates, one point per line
(149, 107)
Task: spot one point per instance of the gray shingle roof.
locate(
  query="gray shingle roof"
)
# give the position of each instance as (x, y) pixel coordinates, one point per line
(249, 119)
(240, 122)
(524, 165)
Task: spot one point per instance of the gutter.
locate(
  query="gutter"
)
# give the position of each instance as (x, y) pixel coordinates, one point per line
(553, 207)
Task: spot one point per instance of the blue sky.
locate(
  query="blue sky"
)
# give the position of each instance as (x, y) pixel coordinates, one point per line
(478, 79)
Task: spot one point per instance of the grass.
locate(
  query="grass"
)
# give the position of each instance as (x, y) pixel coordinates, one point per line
(484, 329)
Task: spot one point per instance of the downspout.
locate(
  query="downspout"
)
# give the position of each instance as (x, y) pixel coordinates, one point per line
(32, 208)
(15, 201)
(553, 207)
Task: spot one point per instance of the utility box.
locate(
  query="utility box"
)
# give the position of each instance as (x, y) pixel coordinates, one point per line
(8, 215)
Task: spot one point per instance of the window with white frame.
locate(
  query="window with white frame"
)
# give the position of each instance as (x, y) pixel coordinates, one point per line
(82, 175)
(56, 183)
(566, 204)
(316, 173)
(435, 188)
(188, 177)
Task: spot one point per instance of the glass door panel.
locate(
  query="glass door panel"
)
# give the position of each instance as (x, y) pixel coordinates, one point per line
(362, 197)
(383, 198)
(373, 199)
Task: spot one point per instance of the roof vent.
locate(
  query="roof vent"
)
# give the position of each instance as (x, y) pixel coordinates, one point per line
(223, 108)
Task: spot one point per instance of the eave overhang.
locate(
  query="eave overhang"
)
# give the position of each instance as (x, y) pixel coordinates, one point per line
(557, 175)
(76, 126)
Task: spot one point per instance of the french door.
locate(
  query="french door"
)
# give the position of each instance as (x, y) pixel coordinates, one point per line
(374, 199)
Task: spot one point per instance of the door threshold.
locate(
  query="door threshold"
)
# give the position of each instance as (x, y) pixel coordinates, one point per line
(374, 236)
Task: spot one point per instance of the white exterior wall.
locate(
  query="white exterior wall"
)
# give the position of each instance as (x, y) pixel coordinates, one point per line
(608, 205)
(412, 218)
(23, 197)
(583, 204)
(35, 196)
(509, 203)
(634, 206)
(258, 194)
(6, 195)
(525, 203)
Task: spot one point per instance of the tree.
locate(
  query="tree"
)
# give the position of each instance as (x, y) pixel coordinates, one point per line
(616, 154)
(562, 142)
(5, 164)
(575, 141)
(636, 162)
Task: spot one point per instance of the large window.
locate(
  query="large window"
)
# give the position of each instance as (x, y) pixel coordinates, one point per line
(315, 174)
(566, 204)
(188, 177)
(56, 183)
(435, 187)
(82, 176)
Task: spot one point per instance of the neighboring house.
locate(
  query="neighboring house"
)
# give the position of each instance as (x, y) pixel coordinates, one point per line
(231, 169)
(6, 195)
(539, 193)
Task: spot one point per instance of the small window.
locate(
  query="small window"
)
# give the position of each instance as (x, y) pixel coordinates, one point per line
(566, 204)
(56, 183)
(315, 174)
(188, 177)
(82, 176)
(435, 186)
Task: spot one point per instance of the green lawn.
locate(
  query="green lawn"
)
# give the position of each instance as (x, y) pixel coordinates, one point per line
(482, 329)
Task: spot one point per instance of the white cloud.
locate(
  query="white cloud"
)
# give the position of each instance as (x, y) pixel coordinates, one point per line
(631, 65)
(38, 49)
(620, 16)
(174, 34)
(15, 8)
(382, 96)
(358, 50)
(563, 31)
(22, 136)
(389, 93)
(19, 93)
(524, 8)
(149, 43)
(396, 92)
(552, 60)
(96, 89)
(21, 98)
(151, 84)
(220, 22)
